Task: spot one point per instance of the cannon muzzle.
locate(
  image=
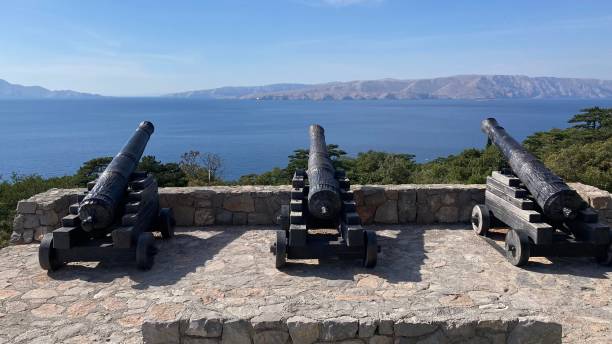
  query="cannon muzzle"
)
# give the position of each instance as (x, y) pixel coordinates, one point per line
(551, 193)
(98, 209)
(324, 193)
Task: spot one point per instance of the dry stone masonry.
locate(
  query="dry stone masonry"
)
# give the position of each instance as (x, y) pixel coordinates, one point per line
(41, 214)
(600, 200)
(209, 327)
(260, 205)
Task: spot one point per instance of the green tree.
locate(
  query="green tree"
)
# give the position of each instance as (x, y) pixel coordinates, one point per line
(201, 168)
(90, 170)
(589, 163)
(580, 153)
(470, 166)
(592, 118)
(299, 160)
(169, 174)
(276, 176)
(374, 167)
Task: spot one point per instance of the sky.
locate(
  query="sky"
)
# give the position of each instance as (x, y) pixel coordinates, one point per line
(141, 48)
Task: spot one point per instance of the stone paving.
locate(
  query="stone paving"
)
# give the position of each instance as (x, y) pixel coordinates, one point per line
(435, 273)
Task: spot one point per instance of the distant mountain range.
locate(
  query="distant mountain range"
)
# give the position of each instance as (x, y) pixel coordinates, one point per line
(239, 92)
(14, 91)
(453, 87)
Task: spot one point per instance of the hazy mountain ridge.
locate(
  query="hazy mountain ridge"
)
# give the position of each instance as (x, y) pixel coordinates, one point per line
(15, 91)
(453, 87)
(234, 92)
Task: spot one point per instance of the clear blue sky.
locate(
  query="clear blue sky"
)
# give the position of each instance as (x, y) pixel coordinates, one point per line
(148, 48)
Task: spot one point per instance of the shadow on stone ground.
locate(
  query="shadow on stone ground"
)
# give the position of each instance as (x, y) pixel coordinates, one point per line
(583, 267)
(575, 266)
(175, 259)
(400, 260)
(402, 257)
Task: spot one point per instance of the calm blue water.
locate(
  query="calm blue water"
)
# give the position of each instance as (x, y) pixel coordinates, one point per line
(53, 137)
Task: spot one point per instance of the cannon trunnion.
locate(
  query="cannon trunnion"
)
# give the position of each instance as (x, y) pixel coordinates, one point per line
(114, 219)
(321, 221)
(546, 217)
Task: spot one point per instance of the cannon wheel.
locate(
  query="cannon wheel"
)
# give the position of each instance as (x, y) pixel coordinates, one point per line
(283, 218)
(517, 247)
(481, 219)
(371, 249)
(606, 257)
(46, 254)
(166, 223)
(145, 251)
(281, 248)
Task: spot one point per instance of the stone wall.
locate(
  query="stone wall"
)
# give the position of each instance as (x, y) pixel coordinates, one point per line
(41, 214)
(270, 328)
(260, 205)
(600, 200)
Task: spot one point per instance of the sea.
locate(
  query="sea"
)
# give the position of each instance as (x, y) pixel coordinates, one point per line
(54, 137)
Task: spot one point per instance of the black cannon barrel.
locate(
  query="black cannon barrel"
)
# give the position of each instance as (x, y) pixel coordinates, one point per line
(552, 194)
(324, 193)
(98, 208)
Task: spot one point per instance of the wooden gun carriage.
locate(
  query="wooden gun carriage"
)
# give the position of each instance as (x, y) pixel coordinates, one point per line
(321, 200)
(114, 219)
(546, 217)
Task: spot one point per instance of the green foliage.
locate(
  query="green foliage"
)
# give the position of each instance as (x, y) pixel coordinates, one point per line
(381, 168)
(590, 163)
(276, 176)
(367, 168)
(592, 118)
(201, 168)
(169, 174)
(299, 160)
(472, 166)
(581, 153)
(90, 170)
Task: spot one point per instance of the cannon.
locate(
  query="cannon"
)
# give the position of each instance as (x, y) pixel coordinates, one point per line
(546, 218)
(324, 192)
(115, 218)
(321, 221)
